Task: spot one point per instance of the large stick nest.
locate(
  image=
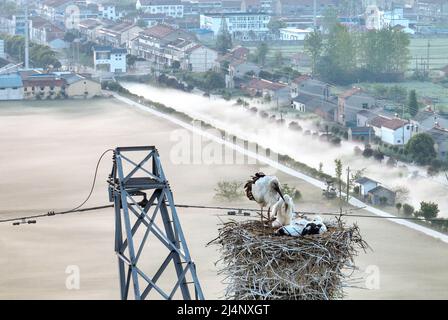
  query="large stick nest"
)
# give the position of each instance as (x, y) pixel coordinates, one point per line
(260, 265)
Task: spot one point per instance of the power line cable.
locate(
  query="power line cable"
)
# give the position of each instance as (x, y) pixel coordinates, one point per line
(331, 213)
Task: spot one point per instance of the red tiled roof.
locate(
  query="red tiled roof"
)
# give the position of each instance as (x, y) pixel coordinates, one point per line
(300, 79)
(159, 31)
(392, 124)
(43, 82)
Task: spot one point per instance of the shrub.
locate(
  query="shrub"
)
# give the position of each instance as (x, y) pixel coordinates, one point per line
(229, 190)
(368, 152)
(378, 155)
(408, 209)
(429, 210)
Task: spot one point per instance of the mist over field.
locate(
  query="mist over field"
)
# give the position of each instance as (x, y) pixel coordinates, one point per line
(244, 124)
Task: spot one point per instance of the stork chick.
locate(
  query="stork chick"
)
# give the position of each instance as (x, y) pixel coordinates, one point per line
(283, 210)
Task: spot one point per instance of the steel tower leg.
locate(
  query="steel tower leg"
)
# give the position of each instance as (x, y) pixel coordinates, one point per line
(137, 172)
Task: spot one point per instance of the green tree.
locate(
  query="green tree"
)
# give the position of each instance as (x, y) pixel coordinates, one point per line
(70, 36)
(275, 25)
(130, 60)
(261, 53)
(338, 171)
(224, 38)
(214, 80)
(428, 210)
(314, 46)
(278, 58)
(229, 190)
(330, 19)
(413, 103)
(421, 148)
(408, 209)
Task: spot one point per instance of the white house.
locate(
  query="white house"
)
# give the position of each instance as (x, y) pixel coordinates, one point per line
(395, 18)
(200, 59)
(241, 25)
(374, 18)
(293, 34)
(110, 11)
(393, 131)
(109, 59)
(11, 87)
(171, 8)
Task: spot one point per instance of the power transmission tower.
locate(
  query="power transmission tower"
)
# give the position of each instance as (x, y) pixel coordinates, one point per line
(137, 173)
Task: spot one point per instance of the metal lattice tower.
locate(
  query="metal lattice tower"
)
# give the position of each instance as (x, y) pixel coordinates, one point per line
(137, 218)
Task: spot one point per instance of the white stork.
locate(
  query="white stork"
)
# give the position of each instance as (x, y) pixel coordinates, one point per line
(265, 190)
(283, 210)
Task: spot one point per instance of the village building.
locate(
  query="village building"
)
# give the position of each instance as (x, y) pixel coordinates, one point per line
(89, 27)
(363, 117)
(303, 7)
(80, 87)
(430, 119)
(240, 25)
(309, 86)
(117, 34)
(293, 34)
(165, 46)
(276, 92)
(230, 6)
(324, 108)
(381, 196)
(393, 131)
(440, 136)
(365, 184)
(154, 19)
(265, 6)
(239, 69)
(43, 86)
(112, 11)
(45, 32)
(109, 59)
(350, 103)
(55, 10)
(172, 8)
(374, 18)
(301, 101)
(11, 87)
(13, 24)
(361, 134)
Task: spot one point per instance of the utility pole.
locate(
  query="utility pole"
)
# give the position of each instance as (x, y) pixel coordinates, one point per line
(427, 58)
(27, 58)
(348, 184)
(315, 14)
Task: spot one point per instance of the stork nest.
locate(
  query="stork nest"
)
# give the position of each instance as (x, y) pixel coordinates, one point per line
(259, 265)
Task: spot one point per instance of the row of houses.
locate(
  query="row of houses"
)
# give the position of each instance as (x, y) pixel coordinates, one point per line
(35, 85)
(162, 45)
(365, 116)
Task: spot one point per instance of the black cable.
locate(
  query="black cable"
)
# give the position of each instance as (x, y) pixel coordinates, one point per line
(94, 180)
(334, 213)
(75, 209)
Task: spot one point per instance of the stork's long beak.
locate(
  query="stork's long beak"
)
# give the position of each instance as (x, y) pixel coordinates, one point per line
(277, 188)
